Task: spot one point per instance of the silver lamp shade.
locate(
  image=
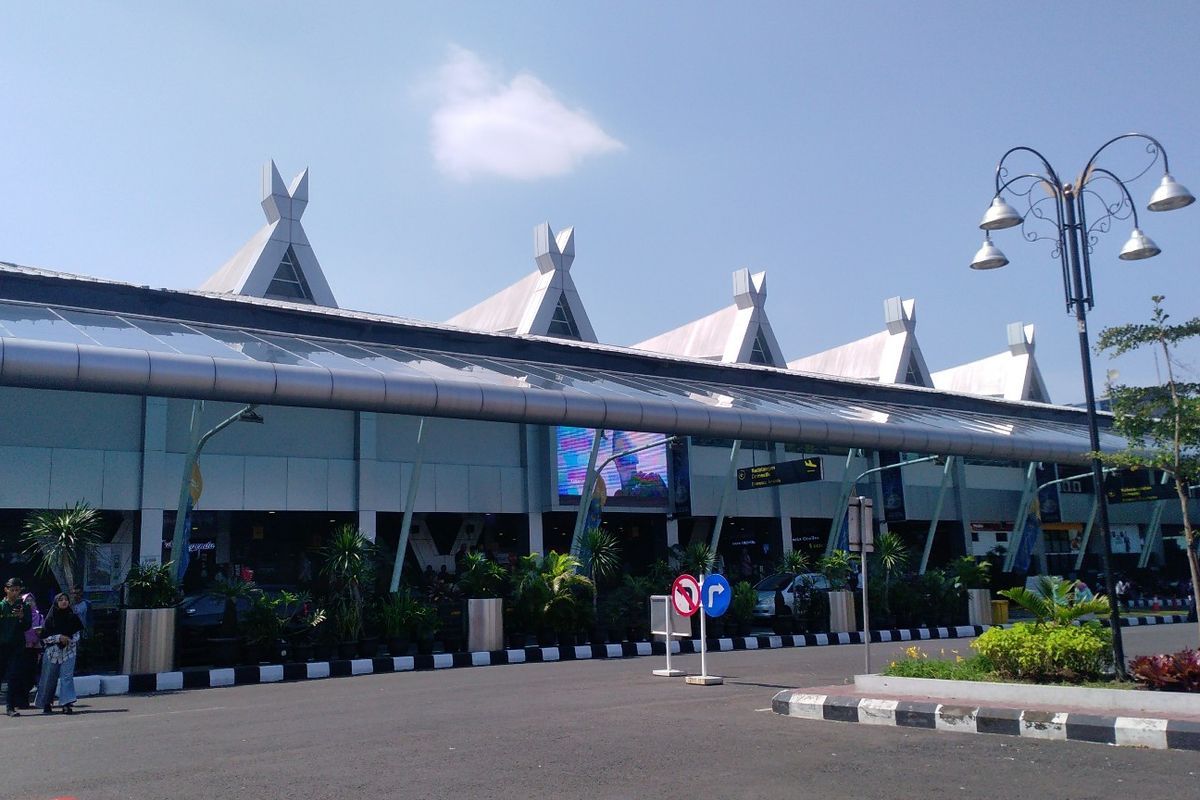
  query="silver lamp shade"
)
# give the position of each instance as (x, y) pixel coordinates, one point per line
(1169, 196)
(988, 256)
(1138, 247)
(1000, 215)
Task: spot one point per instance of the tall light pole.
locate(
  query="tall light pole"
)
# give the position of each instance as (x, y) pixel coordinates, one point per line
(1073, 240)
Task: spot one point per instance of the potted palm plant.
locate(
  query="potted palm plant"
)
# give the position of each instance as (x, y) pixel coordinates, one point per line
(565, 588)
(741, 607)
(973, 576)
(300, 630)
(395, 613)
(262, 629)
(837, 567)
(348, 562)
(600, 557)
(225, 648)
(529, 591)
(148, 619)
(892, 555)
(481, 582)
(425, 622)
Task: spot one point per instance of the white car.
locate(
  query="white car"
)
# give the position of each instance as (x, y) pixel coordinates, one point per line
(785, 583)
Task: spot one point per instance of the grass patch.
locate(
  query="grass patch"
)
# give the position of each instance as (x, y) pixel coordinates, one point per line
(951, 666)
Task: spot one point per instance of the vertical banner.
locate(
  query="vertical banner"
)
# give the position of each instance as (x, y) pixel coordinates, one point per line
(1031, 531)
(195, 488)
(591, 522)
(679, 480)
(891, 484)
(1048, 495)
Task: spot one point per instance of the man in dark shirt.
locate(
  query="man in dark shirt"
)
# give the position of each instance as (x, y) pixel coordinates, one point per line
(15, 619)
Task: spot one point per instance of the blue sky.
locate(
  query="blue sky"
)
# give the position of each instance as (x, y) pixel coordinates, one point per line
(847, 149)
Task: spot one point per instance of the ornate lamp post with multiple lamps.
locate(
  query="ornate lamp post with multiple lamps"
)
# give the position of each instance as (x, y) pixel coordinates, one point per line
(1060, 208)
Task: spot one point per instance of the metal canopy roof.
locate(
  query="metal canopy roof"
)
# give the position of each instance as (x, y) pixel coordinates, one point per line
(59, 347)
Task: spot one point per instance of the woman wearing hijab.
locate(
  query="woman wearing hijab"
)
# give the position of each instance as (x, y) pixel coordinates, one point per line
(60, 634)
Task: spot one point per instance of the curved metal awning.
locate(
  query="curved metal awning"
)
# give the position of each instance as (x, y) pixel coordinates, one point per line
(50, 347)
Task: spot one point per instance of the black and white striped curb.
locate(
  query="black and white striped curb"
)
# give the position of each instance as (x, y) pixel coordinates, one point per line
(1158, 734)
(201, 678)
(1165, 602)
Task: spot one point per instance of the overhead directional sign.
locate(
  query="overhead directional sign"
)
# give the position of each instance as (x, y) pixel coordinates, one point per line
(802, 471)
(1137, 485)
(685, 595)
(715, 595)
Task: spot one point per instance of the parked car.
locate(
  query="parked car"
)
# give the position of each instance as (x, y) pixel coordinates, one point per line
(785, 584)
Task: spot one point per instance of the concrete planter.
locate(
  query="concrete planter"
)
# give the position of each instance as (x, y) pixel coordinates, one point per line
(147, 640)
(842, 616)
(485, 625)
(979, 607)
(1117, 702)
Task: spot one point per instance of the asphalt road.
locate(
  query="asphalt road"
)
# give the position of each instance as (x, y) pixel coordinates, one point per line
(602, 729)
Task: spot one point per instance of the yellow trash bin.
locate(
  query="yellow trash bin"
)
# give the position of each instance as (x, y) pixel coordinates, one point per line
(999, 612)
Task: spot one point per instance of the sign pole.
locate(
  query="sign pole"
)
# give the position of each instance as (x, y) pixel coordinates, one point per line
(710, 587)
(866, 615)
(862, 541)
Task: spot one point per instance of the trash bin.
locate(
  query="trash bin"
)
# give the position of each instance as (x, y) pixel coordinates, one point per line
(999, 612)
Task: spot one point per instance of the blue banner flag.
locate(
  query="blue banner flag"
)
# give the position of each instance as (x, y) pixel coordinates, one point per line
(1030, 533)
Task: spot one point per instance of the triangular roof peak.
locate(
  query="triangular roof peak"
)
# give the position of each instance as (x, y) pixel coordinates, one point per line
(891, 356)
(544, 302)
(749, 291)
(1012, 374)
(738, 333)
(277, 262)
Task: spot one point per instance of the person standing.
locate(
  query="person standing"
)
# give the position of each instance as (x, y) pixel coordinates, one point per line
(15, 619)
(33, 650)
(60, 634)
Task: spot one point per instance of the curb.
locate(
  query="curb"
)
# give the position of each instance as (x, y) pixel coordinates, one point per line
(201, 678)
(1153, 733)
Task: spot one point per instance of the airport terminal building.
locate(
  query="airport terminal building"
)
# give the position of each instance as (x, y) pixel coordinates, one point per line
(485, 424)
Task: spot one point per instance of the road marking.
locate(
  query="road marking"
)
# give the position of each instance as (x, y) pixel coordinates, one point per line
(178, 711)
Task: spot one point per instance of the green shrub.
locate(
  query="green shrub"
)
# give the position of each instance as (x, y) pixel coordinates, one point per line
(1069, 653)
(744, 599)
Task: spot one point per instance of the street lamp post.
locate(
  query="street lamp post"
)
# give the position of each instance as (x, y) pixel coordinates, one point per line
(1073, 241)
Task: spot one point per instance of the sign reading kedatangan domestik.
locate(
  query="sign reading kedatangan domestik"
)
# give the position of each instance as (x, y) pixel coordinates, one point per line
(803, 471)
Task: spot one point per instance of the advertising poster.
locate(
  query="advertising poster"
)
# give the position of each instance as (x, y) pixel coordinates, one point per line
(628, 478)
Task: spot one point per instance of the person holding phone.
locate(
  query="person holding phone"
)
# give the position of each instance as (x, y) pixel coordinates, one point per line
(15, 619)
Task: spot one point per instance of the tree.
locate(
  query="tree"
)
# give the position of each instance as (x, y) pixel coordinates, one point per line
(60, 540)
(600, 558)
(1160, 423)
(892, 555)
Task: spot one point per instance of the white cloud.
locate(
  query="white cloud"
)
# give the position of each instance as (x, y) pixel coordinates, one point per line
(518, 130)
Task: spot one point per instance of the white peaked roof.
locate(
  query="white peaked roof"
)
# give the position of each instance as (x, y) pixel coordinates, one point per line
(737, 334)
(890, 356)
(1011, 375)
(278, 262)
(544, 302)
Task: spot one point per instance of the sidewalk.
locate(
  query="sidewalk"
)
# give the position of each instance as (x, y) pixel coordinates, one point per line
(206, 678)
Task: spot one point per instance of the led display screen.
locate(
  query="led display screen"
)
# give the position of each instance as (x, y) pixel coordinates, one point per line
(629, 479)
